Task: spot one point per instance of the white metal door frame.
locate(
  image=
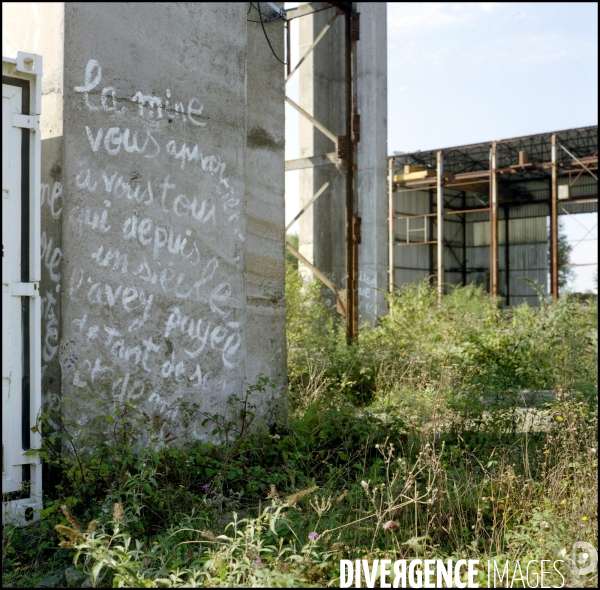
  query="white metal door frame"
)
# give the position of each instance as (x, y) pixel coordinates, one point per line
(21, 309)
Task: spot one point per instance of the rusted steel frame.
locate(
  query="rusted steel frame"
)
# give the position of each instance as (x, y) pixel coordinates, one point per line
(440, 225)
(311, 161)
(352, 223)
(401, 243)
(507, 253)
(314, 44)
(321, 276)
(316, 123)
(465, 211)
(391, 216)
(312, 200)
(554, 222)
(572, 182)
(493, 223)
(577, 160)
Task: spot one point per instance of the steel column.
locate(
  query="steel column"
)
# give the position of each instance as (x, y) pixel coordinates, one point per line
(352, 222)
(493, 223)
(392, 214)
(554, 223)
(440, 226)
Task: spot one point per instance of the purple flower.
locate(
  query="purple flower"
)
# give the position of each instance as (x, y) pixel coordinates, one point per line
(206, 487)
(257, 560)
(313, 536)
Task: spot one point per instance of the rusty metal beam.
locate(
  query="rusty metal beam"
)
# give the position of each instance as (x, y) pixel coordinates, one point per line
(493, 223)
(440, 226)
(352, 224)
(391, 216)
(554, 222)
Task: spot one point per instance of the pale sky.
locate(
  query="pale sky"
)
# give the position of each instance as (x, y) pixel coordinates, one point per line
(462, 73)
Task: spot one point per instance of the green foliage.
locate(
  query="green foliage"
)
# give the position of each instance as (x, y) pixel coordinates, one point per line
(461, 430)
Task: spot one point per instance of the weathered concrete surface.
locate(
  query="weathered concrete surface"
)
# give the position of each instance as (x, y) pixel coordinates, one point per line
(265, 208)
(172, 254)
(372, 159)
(322, 228)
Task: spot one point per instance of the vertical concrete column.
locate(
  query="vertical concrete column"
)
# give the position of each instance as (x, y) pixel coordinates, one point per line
(322, 231)
(265, 204)
(372, 159)
(162, 238)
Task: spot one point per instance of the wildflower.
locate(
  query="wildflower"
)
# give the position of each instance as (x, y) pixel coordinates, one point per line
(257, 560)
(313, 536)
(206, 487)
(584, 518)
(559, 418)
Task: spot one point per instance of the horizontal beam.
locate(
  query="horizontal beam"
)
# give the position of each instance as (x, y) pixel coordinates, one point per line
(311, 162)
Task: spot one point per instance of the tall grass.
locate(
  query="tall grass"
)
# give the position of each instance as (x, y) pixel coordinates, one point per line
(463, 430)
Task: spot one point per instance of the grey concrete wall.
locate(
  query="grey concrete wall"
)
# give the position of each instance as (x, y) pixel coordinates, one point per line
(322, 230)
(170, 233)
(265, 208)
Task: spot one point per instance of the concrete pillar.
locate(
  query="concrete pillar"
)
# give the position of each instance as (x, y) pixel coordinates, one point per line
(322, 228)
(372, 159)
(163, 213)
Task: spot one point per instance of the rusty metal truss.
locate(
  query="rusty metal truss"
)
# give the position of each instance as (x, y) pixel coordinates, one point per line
(495, 172)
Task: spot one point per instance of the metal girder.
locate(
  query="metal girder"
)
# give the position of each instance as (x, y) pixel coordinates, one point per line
(312, 200)
(314, 44)
(311, 161)
(316, 123)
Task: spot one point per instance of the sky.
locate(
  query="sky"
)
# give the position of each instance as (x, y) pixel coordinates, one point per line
(461, 73)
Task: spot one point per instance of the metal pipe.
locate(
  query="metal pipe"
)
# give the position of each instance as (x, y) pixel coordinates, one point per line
(392, 214)
(493, 223)
(507, 253)
(440, 226)
(554, 222)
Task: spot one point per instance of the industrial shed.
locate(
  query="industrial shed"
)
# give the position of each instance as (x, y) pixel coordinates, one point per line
(489, 211)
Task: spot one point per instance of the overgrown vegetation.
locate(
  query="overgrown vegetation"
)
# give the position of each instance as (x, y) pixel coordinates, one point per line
(462, 430)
